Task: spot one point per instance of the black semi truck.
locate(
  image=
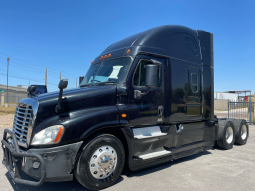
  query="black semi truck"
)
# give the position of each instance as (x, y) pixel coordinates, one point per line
(145, 100)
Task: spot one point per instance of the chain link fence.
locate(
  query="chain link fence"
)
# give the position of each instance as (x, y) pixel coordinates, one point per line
(15, 94)
(13, 99)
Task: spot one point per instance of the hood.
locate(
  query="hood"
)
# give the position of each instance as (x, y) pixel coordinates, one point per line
(74, 100)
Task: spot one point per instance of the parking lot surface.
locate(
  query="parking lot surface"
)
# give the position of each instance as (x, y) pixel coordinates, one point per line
(209, 170)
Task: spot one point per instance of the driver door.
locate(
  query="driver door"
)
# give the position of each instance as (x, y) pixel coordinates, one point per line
(144, 111)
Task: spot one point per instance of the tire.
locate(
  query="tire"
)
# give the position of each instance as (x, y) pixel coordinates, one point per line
(100, 162)
(226, 139)
(242, 131)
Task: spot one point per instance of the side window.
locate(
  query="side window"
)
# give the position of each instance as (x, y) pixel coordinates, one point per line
(191, 43)
(140, 73)
(194, 82)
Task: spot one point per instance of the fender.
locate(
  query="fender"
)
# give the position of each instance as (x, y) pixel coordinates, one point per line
(79, 124)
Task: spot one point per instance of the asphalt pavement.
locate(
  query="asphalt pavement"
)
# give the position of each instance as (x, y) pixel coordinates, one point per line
(209, 170)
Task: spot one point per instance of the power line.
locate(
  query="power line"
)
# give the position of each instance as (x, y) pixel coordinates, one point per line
(27, 79)
(17, 75)
(33, 64)
(40, 70)
(23, 68)
(24, 65)
(34, 70)
(20, 77)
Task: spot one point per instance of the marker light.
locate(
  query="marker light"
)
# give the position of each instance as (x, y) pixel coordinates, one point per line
(92, 61)
(49, 135)
(109, 55)
(123, 115)
(101, 57)
(128, 51)
(105, 56)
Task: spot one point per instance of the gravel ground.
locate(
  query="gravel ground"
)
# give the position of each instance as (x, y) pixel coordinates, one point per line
(209, 170)
(6, 120)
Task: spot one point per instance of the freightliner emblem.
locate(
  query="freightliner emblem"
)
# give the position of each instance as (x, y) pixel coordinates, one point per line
(22, 104)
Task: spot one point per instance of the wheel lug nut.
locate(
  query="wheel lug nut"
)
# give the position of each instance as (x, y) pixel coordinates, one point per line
(111, 158)
(94, 156)
(100, 150)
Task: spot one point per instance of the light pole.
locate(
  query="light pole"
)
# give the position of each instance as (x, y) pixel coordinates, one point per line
(7, 76)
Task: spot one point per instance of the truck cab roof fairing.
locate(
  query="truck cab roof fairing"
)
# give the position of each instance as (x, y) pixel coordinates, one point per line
(165, 40)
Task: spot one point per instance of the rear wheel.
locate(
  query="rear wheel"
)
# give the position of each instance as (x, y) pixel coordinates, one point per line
(226, 134)
(100, 163)
(242, 131)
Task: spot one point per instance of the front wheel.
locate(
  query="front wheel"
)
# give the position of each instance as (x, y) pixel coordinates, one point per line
(100, 163)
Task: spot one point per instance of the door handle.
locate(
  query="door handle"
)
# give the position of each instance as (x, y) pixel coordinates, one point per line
(138, 94)
(179, 128)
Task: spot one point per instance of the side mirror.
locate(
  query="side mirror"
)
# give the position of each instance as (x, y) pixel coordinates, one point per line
(63, 84)
(30, 90)
(151, 80)
(80, 79)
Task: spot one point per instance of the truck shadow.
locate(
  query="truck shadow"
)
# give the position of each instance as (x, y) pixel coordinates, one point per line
(130, 174)
(75, 185)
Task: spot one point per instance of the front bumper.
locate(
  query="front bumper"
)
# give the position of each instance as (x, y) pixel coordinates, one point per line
(53, 164)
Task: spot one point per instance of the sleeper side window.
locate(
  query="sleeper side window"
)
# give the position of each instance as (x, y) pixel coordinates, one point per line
(194, 82)
(140, 73)
(191, 43)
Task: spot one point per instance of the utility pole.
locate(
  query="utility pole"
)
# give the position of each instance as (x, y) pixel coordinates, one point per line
(60, 75)
(76, 82)
(46, 77)
(29, 82)
(7, 76)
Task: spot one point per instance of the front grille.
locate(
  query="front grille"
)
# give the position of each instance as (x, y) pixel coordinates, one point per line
(22, 119)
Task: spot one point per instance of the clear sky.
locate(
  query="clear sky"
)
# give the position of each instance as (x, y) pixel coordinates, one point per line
(67, 35)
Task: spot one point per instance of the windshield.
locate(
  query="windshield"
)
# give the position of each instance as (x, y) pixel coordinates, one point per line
(108, 72)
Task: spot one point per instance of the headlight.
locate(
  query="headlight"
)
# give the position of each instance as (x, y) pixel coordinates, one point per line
(49, 135)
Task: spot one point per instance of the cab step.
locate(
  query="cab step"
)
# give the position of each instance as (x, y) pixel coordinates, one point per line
(154, 154)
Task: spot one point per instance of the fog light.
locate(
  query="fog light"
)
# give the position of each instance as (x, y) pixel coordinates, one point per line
(36, 164)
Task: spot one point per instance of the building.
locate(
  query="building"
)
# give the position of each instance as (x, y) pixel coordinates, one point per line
(15, 94)
(226, 96)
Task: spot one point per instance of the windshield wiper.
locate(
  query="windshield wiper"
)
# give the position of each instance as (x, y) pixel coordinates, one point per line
(84, 85)
(99, 83)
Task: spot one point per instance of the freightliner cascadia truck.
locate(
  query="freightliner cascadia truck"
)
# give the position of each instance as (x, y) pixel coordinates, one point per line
(145, 100)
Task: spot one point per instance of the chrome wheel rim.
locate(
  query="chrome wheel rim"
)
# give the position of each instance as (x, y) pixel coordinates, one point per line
(103, 162)
(244, 132)
(229, 135)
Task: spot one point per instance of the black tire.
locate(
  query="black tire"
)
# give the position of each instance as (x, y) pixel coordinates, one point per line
(222, 141)
(82, 168)
(238, 123)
